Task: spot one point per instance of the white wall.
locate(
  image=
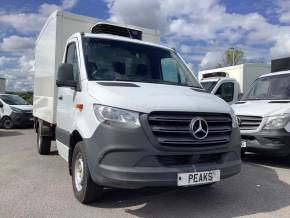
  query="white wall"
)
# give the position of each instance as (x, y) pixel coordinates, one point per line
(2, 85)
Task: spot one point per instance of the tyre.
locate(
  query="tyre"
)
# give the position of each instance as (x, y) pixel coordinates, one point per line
(7, 123)
(85, 190)
(43, 143)
(243, 152)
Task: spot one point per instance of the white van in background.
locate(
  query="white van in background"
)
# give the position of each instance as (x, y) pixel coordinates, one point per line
(14, 111)
(264, 115)
(229, 83)
(125, 111)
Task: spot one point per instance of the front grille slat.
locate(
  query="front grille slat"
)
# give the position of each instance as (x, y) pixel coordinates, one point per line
(249, 122)
(172, 129)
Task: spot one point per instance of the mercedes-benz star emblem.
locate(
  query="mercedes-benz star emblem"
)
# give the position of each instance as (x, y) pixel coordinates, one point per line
(199, 128)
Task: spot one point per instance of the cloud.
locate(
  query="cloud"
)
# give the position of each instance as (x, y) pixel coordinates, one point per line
(205, 21)
(32, 22)
(282, 10)
(20, 77)
(138, 12)
(6, 60)
(211, 60)
(16, 44)
(46, 9)
(17, 50)
(190, 19)
(282, 47)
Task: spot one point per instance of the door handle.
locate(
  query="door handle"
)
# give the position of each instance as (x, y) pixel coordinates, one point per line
(60, 97)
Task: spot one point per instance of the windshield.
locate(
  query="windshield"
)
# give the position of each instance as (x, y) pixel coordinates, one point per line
(208, 86)
(112, 60)
(269, 88)
(13, 100)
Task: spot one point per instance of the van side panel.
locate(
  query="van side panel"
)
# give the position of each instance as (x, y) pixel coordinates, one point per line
(252, 72)
(44, 79)
(49, 52)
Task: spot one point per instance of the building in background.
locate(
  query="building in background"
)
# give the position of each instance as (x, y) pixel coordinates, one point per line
(2, 85)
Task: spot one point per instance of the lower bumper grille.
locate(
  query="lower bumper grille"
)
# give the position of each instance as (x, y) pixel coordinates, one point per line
(178, 160)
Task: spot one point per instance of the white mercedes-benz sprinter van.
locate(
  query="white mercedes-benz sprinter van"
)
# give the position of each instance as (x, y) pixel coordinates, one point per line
(264, 114)
(126, 112)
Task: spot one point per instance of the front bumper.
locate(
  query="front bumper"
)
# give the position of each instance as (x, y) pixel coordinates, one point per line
(20, 119)
(125, 158)
(269, 142)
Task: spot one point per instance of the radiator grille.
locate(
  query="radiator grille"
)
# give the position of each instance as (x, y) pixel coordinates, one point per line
(249, 122)
(173, 129)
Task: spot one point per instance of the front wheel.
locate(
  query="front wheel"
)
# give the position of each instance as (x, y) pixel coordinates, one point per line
(85, 190)
(7, 123)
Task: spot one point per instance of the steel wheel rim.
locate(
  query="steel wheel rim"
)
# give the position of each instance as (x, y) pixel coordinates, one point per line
(79, 173)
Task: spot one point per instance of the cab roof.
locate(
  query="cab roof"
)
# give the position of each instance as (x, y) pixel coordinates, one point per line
(275, 74)
(121, 38)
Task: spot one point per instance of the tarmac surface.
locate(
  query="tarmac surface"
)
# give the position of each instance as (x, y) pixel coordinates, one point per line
(40, 186)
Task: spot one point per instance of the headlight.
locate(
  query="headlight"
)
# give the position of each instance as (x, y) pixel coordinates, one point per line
(16, 110)
(117, 116)
(235, 122)
(277, 122)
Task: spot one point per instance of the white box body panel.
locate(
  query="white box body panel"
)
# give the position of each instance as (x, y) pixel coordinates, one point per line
(49, 51)
(244, 74)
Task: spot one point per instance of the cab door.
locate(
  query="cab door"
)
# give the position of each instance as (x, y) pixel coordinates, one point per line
(67, 96)
(227, 91)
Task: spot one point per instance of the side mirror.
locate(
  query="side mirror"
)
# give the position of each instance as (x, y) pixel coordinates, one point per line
(240, 96)
(65, 76)
(1, 105)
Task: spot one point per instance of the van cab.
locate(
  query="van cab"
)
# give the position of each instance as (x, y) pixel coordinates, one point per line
(229, 83)
(226, 88)
(14, 111)
(264, 115)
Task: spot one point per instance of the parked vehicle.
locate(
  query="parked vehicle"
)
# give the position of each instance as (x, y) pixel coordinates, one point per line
(264, 114)
(126, 112)
(229, 83)
(14, 111)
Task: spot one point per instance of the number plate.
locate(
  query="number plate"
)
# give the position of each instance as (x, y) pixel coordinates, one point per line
(198, 178)
(244, 144)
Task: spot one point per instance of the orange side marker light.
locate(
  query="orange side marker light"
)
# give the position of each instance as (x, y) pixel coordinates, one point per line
(80, 106)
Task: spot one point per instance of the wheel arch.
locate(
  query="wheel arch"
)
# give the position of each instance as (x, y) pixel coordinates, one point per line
(5, 116)
(75, 137)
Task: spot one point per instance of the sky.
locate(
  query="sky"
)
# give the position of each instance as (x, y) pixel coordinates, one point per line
(199, 30)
